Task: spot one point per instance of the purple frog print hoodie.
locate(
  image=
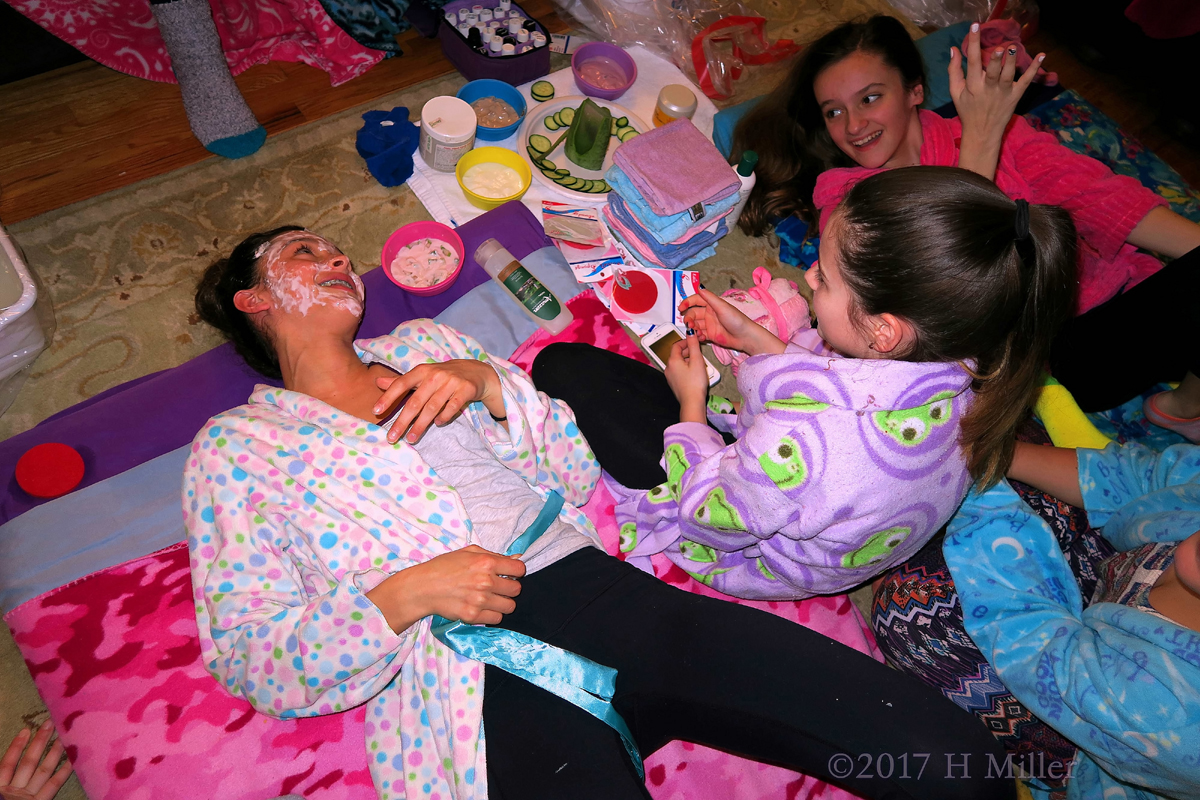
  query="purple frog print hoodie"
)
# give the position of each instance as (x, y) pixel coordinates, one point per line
(842, 468)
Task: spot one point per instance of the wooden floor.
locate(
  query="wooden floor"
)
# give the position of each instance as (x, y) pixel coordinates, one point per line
(83, 130)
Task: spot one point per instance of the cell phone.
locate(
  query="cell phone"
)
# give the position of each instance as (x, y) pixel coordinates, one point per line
(658, 343)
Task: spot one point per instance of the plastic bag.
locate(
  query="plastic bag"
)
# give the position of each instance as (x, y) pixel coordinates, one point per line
(943, 13)
(710, 40)
(26, 320)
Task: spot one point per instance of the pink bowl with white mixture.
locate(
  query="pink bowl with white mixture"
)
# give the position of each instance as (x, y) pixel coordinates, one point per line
(421, 247)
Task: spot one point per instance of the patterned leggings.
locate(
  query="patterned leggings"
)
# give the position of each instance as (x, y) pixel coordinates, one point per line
(918, 623)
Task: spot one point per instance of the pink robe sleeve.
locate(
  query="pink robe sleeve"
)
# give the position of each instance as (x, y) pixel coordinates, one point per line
(1104, 206)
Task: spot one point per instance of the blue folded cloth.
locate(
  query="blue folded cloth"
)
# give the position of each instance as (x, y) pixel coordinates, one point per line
(664, 229)
(672, 256)
(387, 141)
(796, 246)
(707, 252)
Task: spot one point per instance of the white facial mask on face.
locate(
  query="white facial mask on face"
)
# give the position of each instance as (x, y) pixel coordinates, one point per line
(296, 291)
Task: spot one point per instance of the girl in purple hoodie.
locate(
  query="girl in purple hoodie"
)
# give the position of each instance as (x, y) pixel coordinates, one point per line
(857, 439)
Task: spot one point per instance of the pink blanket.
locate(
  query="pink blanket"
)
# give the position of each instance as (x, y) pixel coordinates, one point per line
(122, 34)
(115, 656)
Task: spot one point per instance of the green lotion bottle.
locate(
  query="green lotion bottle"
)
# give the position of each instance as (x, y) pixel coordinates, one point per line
(539, 302)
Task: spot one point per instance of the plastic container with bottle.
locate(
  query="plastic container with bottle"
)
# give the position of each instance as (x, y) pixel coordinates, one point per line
(531, 294)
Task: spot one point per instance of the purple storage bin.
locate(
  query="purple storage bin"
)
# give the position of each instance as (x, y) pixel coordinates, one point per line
(513, 69)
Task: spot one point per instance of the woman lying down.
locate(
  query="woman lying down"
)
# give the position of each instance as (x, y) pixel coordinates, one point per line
(336, 533)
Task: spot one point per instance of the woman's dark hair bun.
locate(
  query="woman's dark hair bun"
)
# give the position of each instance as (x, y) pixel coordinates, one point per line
(222, 280)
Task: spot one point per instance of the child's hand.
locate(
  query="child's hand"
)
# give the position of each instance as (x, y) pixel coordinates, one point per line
(688, 379)
(715, 320)
(986, 98)
(36, 774)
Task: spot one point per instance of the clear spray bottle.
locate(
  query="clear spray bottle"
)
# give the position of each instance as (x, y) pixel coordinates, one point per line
(539, 302)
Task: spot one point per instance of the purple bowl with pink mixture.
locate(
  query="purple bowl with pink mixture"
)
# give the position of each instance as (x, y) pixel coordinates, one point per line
(603, 70)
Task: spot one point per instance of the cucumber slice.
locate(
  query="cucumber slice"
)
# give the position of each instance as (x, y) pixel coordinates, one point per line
(563, 173)
(621, 129)
(539, 143)
(534, 155)
(549, 173)
(604, 187)
(558, 118)
(627, 135)
(596, 188)
(566, 115)
(622, 122)
(542, 90)
(563, 180)
(578, 184)
(547, 164)
(586, 186)
(552, 123)
(615, 129)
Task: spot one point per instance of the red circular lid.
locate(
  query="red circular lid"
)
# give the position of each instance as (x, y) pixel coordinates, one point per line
(50, 470)
(639, 296)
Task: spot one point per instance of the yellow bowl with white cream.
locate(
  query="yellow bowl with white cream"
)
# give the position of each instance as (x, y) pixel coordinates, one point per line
(484, 157)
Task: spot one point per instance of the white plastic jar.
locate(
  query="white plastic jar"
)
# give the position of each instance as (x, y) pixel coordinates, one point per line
(447, 131)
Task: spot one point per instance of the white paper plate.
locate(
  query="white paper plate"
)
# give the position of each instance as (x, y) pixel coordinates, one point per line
(534, 124)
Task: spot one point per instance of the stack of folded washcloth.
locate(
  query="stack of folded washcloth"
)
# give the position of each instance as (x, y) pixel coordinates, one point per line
(661, 180)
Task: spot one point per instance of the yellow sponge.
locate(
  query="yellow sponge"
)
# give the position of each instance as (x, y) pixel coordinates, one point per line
(1066, 423)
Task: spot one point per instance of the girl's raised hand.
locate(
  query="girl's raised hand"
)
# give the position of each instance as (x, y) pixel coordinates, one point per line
(688, 378)
(985, 99)
(439, 394)
(716, 321)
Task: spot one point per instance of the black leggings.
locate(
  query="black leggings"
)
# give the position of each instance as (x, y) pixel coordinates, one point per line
(1141, 337)
(721, 675)
(621, 405)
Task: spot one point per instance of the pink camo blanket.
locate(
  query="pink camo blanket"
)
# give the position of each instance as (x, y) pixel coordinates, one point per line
(122, 34)
(116, 658)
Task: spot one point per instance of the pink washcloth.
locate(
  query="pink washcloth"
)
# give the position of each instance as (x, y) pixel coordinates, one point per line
(774, 304)
(1007, 33)
(674, 167)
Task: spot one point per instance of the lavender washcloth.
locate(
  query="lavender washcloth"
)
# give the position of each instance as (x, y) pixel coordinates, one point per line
(675, 166)
(664, 229)
(668, 255)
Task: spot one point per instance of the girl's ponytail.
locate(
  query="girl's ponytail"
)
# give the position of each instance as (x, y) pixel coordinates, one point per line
(1044, 243)
(979, 277)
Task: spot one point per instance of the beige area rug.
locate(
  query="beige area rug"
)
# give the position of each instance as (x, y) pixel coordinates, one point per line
(120, 269)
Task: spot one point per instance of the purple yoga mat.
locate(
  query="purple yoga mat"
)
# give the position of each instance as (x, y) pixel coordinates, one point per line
(148, 416)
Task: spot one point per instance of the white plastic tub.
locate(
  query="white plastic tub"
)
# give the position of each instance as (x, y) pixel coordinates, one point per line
(25, 324)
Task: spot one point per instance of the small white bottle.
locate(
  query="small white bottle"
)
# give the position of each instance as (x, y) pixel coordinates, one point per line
(539, 302)
(745, 172)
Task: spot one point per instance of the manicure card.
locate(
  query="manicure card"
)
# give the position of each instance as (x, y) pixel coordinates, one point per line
(650, 296)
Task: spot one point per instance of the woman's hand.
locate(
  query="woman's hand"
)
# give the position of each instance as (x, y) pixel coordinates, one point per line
(688, 379)
(985, 100)
(715, 320)
(439, 394)
(36, 773)
(471, 584)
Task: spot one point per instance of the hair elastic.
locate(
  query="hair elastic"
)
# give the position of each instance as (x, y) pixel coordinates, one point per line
(1024, 242)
